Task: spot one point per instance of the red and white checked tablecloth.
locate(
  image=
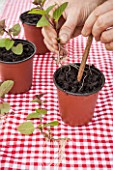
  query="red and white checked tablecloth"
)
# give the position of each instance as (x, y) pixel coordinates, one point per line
(90, 147)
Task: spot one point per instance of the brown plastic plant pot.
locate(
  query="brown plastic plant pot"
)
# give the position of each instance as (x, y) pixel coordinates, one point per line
(33, 34)
(19, 71)
(77, 109)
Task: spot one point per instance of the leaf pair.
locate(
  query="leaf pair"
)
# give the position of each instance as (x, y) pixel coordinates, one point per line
(44, 21)
(9, 44)
(51, 124)
(56, 15)
(37, 114)
(15, 30)
(28, 128)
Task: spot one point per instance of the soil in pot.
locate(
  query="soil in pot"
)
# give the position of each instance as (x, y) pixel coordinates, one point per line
(66, 79)
(30, 19)
(77, 100)
(18, 68)
(33, 33)
(9, 56)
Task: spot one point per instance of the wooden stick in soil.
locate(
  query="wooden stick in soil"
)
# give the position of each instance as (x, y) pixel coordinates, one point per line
(84, 58)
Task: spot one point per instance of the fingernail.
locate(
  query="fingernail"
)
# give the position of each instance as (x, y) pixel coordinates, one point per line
(84, 32)
(63, 38)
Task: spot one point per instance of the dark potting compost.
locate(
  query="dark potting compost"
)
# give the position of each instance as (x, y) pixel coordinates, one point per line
(31, 19)
(66, 79)
(9, 56)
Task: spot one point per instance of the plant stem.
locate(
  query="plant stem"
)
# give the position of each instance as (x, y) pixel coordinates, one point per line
(84, 58)
(8, 33)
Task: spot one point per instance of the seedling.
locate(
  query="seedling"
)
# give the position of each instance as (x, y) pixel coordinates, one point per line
(28, 128)
(53, 21)
(5, 87)
(9, 43)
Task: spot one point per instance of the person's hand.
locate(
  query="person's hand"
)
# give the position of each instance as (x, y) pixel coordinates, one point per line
(75, 15)
(100, 24)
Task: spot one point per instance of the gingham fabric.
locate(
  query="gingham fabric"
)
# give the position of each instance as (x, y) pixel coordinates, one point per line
(90, 147)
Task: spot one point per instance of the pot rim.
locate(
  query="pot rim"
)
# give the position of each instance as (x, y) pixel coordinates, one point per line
(17, 62)
(31, 24)
(79, 94)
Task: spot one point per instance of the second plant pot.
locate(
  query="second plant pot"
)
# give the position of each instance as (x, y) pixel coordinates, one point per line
(18, 68)
(77, 101)
(33, 33)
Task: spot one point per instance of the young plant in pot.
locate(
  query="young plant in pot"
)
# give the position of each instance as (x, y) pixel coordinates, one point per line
(32, 32)
(16, 59)
(31, 27)
(78, 84)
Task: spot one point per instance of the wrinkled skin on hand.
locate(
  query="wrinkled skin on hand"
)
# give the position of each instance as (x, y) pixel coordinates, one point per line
(75, 16)
(100, 24)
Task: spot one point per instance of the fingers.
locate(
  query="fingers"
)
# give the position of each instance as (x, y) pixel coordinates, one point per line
(109, 46)
(67, 29)
(97, 19)
(107, 36)
(50, 38)
(103, 22)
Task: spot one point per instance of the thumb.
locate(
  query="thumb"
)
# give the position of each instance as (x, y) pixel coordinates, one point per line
(67, 29)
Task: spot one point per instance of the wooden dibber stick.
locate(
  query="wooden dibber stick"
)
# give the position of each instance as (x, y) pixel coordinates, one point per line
(84, 58)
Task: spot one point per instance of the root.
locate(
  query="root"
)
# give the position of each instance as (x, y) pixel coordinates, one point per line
(61, 151)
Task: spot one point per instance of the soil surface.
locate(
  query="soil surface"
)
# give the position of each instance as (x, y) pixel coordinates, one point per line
(66, 78)
(31, 19)
(9, 56)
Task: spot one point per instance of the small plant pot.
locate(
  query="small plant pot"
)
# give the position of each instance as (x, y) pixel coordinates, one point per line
(20, 71)
(77, 108)
(33, 33)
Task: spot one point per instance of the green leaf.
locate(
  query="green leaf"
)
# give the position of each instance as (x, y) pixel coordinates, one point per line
(5, 87)
(26, 128)
(34, 115)
(54, 123)
(37, 11)
(43, 22)
(2, 42)
(8, 43)
(41, 111)
(59, 11)
(50, 8)
(17, 49)
(15, 29)
(4, 107)
(37, 114)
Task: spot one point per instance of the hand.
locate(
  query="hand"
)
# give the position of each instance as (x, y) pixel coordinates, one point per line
(75, 15)
(100, 24)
